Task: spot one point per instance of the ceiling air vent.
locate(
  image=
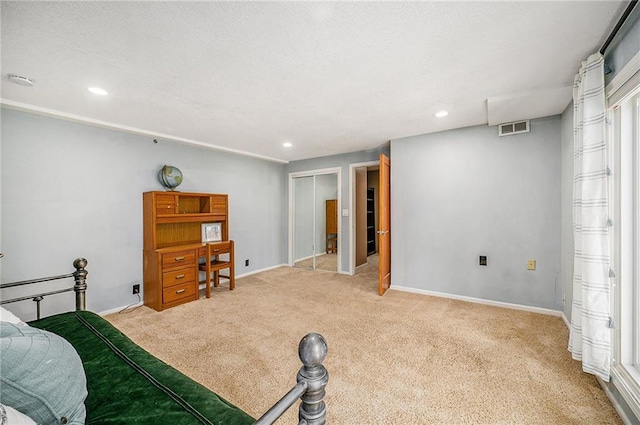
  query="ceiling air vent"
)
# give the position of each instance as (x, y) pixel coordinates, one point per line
(516, 127)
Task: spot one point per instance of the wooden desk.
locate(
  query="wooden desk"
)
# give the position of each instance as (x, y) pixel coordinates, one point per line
(172, 245)
(172, 274)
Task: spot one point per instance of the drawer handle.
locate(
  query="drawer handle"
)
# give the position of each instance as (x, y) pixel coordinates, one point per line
(180, 291)
(216, 250)
(179, 258)
(180, 276)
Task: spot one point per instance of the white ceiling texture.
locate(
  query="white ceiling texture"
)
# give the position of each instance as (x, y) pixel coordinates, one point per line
(328, 77)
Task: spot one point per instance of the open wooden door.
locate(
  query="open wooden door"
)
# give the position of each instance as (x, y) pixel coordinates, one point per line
(384, 228)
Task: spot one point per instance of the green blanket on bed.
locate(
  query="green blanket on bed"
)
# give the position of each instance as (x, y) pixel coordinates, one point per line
(127, 385)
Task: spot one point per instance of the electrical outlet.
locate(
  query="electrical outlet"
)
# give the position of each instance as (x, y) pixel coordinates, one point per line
(136, 288)
(483, 260)
(246, 263)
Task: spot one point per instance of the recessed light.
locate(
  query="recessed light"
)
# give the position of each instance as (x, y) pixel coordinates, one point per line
(441, 114)
(98, 90)
(287, 144)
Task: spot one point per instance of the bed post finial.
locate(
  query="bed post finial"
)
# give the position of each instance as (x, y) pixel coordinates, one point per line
(80, 286)
(312, 351)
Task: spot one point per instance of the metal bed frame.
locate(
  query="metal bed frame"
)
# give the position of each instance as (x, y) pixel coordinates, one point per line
(312, 378)
(80, 287)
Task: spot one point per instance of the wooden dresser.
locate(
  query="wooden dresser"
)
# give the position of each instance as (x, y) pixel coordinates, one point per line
(173, 243)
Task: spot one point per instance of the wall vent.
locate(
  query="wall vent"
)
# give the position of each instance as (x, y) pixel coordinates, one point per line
(516, 127)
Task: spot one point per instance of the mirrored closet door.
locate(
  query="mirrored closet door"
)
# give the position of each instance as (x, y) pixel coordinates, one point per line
(315, 221)
(303, 226)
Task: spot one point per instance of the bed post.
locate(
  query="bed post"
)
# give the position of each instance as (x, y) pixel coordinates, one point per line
(312, 351)
(80, 286)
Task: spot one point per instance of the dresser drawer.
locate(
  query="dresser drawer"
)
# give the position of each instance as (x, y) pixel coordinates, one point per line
(178, 292)
(176, 277)
(178, 259)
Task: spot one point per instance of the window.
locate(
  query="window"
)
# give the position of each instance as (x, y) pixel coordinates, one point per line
(624, 117)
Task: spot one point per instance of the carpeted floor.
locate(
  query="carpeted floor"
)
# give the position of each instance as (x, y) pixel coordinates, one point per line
(327, 262)
(398, 359)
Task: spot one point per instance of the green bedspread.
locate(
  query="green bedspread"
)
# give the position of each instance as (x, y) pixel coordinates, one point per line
(127, 385)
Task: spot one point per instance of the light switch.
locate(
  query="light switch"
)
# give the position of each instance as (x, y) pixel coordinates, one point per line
(345, 213)
(531, 264)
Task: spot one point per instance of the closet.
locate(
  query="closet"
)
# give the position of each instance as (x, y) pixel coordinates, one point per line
(366, 213)
(371, 221)
(314, 224)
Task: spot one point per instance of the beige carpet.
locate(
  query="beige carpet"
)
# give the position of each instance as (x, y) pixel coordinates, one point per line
(398, 359)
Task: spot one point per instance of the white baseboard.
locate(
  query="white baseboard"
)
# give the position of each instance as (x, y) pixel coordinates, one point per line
(303, 258)
(478, 300)
(117, 309)
(566, 321)
(310, 256)
(238, 276)
(361, 266)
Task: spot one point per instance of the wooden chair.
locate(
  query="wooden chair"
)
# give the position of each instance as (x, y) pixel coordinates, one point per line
(332, 243)
(214, 264)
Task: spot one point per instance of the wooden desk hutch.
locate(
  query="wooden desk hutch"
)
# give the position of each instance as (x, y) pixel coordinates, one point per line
(173, 244)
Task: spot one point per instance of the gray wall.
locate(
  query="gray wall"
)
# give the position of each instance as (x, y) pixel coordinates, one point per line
(343, 162)
(459, 194)
(71, 189)
(566, 243)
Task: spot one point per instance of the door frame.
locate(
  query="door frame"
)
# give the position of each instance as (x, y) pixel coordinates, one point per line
(312, 173)
(352, 211)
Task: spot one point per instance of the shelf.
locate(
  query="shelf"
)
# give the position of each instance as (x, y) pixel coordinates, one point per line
(371, 221)
(189, 218)
(186, 245)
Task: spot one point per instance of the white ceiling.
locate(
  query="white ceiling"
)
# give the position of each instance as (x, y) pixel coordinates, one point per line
(328, 77)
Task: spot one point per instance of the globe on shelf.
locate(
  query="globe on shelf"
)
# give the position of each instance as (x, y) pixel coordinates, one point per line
(170, 177)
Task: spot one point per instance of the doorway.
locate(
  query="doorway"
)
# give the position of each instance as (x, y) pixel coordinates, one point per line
(364, 182)
(314, 224)
(360, 171)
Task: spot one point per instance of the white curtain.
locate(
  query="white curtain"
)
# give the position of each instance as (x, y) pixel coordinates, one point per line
(590, 336)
